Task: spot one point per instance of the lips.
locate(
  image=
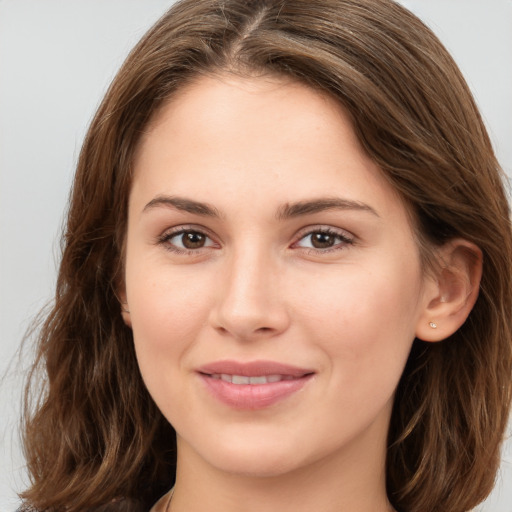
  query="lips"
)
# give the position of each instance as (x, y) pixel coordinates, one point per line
(253, 385)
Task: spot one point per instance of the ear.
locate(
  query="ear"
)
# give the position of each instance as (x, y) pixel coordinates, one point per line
(125, 312)
(452, 292)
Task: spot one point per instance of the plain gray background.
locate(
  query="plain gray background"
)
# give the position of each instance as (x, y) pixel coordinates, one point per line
(56, 60)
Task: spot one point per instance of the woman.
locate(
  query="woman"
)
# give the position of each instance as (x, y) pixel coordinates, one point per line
(289, 240)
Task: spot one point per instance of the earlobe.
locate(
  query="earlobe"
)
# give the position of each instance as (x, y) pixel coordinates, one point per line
(125, 311)
(451, 294)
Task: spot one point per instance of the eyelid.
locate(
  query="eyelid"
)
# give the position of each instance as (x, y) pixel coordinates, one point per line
(169, 233)
(346, 237)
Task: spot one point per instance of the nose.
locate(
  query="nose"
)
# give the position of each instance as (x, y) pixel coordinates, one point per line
(250, 303)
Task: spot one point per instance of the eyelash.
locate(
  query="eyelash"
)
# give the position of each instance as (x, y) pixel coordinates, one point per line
(343, 239)
(169, 235)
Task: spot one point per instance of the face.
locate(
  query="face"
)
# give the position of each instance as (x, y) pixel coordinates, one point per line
(272, 278)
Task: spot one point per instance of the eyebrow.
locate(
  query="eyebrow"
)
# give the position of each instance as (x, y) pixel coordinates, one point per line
(287, 211)
(185, 205)
(291, 210)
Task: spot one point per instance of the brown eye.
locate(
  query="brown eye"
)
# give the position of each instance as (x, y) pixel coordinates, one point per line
(186, 240)
(323, 240)
(193, 240)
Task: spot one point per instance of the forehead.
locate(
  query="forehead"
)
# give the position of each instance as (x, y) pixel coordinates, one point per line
(259, 138)
(212, 106)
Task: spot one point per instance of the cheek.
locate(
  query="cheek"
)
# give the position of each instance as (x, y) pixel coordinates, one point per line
(167, 311)
(364, 328)
(365, 320)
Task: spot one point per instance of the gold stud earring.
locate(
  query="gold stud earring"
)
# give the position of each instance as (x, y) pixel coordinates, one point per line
(433, 325)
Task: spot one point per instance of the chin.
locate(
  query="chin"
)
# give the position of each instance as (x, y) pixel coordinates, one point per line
(260, 465)
(263, 458)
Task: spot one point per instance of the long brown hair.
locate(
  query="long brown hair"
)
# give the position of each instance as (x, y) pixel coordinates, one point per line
(94, 438)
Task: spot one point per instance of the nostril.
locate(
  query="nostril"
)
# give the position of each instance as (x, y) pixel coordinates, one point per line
(263, 329)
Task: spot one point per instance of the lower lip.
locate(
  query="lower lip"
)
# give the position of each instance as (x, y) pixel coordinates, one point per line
(253, 396)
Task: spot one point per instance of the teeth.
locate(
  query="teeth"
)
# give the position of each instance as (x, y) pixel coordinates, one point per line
(239, 379)
(243, 379)
(258, 380)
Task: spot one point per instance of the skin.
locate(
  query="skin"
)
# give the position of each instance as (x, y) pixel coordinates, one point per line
(259, 289)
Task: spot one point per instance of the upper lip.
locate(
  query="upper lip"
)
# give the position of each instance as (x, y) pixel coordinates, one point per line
(252, 368)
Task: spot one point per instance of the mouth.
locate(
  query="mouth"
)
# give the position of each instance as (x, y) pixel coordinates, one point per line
(253, 385)
(256, 380)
